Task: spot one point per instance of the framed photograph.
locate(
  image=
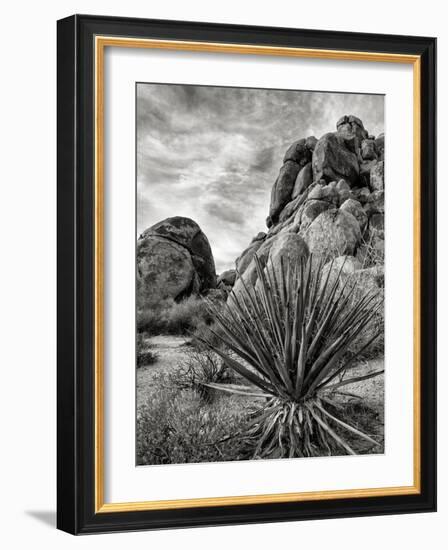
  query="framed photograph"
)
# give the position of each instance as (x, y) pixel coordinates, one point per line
(246, 274)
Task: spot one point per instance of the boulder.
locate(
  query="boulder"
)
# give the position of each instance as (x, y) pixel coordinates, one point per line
(289, 210)
(260, 236)
(365, 168)
(351, 126)
(174, 260)
(343, 190)
(303, 181)
(249, 277)
(342, 185)
(360, 281)
(310, 142)
(377, 176)
(164, 270)
(298, 152)
(227, 277)
(282, 189)
(243, 261)
(355, 209)
(369, 280)
(368, 150)
(333, 160)
(289, 248)
(346, 265)
(333, 233)
(311, 209)
(338, 270)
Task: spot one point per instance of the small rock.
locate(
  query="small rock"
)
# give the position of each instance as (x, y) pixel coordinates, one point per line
(375, 203)
(227, 277)
(376, 224)
(311, 209)
(362, 194)
(342, 185)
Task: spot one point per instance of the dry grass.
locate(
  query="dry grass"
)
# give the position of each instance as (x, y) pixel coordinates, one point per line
(170, 317)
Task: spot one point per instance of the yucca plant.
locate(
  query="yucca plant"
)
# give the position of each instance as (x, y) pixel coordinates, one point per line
(291, 336)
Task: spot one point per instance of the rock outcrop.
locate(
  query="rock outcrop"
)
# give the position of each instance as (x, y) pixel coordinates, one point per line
(174, 260)
(328, 200)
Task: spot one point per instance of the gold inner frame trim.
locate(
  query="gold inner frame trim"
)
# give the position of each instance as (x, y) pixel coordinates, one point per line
(101, 42)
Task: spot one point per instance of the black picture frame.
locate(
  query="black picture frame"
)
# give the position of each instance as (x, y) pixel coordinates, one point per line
(76, 264)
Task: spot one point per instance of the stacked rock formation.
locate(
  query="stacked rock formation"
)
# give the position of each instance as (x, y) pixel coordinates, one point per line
(328, 199)
(174, 260)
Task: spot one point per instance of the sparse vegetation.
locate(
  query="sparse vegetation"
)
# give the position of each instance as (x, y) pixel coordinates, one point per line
(176, 427)
(370, 254)
(201, 368)
(170, 317)
(145, 355)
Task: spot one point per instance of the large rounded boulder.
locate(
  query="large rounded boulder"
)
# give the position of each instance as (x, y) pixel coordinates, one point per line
(283, 187)
(245, 258)
(174, 260)
(288, 248)
(333, 233)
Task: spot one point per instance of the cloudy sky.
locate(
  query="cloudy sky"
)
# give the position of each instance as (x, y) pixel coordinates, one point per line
(212, 154)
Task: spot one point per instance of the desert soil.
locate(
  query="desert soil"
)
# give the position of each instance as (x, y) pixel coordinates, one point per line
(172, 351)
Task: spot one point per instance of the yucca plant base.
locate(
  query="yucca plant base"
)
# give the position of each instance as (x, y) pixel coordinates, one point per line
(293, 339)
(290, 430)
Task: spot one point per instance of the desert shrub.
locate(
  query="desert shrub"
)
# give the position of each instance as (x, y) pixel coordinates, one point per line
(176, 427)
(370, 255)
(371, 337)
(145, 355)
(170, 317)
(183, 317)
(290, 337)
(150, 320)
(200, 368)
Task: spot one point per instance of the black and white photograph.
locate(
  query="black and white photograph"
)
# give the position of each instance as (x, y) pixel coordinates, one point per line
(259, 274)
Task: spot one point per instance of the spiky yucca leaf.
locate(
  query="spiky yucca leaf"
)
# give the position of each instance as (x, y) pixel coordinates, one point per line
(290, 336)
